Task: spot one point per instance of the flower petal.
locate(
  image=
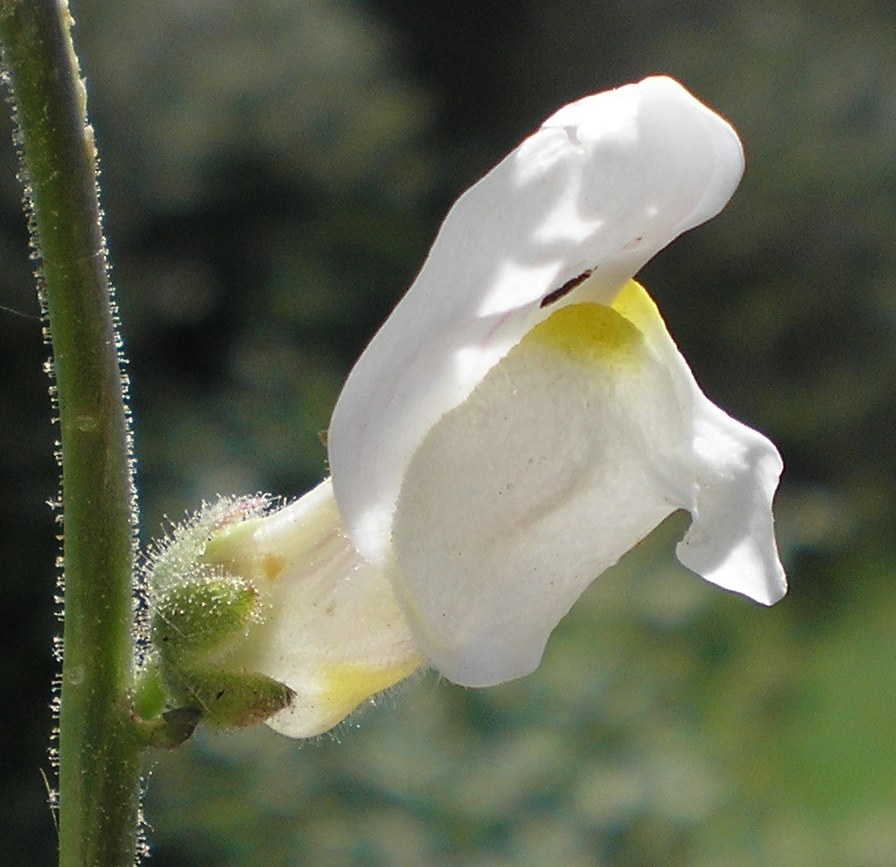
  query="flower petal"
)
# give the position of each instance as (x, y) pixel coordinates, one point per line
(735, 473)
(603, 185)
(731, 541)
(572, 448)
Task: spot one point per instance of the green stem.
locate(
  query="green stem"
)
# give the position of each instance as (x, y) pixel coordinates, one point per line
(99, 750)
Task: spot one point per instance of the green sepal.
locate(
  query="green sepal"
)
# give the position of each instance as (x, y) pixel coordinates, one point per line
(192, 620)
(231, 699)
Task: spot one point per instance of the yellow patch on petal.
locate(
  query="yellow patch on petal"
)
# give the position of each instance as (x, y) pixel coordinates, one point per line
(637, 306)
(344, 687)
(588, 332)
(272, 566)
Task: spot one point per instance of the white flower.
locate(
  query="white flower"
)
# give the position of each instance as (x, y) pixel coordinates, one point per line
(523, 418)
(520, 422)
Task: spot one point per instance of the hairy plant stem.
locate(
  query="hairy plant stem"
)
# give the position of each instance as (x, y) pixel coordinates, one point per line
(99, 748)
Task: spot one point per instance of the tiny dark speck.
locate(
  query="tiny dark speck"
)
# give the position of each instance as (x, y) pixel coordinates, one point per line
(565, 289)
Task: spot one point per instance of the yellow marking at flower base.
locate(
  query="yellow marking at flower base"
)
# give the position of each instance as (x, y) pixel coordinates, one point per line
(272, 566)
(344, 687)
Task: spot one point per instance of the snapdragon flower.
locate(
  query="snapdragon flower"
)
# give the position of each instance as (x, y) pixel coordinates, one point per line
(523, 418)
(520, 421)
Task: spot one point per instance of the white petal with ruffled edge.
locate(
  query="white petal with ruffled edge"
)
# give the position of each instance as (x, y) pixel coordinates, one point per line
(571, 449)
(604, 184)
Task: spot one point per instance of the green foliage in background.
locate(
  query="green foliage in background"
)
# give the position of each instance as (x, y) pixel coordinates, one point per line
(273, 174)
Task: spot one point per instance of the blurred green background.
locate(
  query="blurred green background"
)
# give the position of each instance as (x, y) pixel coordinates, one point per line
(273, 174)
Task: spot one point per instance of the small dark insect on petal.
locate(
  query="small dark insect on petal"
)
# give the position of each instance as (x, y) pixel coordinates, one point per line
(565, 289)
